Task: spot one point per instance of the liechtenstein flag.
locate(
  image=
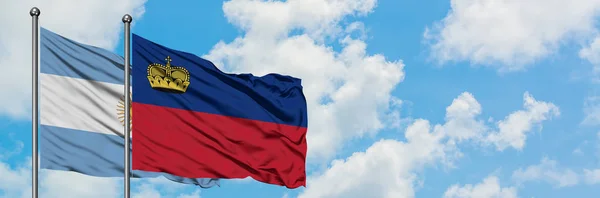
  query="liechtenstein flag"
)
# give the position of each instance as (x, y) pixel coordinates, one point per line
(190, 119)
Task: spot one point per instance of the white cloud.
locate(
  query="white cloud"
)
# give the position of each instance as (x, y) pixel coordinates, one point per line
(16, 182)
(592, 176)
(592, 54)
(319, 18)
(91, 22)
(195, 194)
(348, 92)
(389, 168)
(513, 129)
(591, 109)
(460, 118)
(70, 184)
(489, 188)
(548, 171)
(384, 170)
(510, 34)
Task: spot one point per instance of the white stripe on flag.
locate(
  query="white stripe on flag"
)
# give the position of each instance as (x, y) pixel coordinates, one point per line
(80, 104)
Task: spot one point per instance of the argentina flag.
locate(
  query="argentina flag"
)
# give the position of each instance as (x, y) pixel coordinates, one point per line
(81, 111)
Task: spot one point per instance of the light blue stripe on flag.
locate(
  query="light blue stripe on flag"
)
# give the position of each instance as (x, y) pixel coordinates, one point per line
(65, 149)
(64, 57)
(81, 88)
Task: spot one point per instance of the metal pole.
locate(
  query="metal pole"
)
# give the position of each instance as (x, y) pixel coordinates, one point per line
(35, 13)
(127, 22)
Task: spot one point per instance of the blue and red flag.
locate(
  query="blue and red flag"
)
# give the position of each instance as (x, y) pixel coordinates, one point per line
(190, 119)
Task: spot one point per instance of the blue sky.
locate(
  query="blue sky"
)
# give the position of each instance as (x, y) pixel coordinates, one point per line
(406, 98)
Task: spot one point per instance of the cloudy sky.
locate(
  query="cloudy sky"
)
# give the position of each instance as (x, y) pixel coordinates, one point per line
(407, 98)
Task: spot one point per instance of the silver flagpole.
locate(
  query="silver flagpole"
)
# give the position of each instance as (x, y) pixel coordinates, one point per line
(127, 22)
(35, 13)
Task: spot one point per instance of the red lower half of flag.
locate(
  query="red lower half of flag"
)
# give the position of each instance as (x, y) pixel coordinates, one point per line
(201, 145)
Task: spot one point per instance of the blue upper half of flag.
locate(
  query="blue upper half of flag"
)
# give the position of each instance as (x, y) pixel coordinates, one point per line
(271, 98)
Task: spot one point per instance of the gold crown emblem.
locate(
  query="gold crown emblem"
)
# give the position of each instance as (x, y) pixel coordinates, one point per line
(168, 78)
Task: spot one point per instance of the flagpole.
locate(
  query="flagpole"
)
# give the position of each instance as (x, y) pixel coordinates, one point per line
(35, 13)
(127, 22)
